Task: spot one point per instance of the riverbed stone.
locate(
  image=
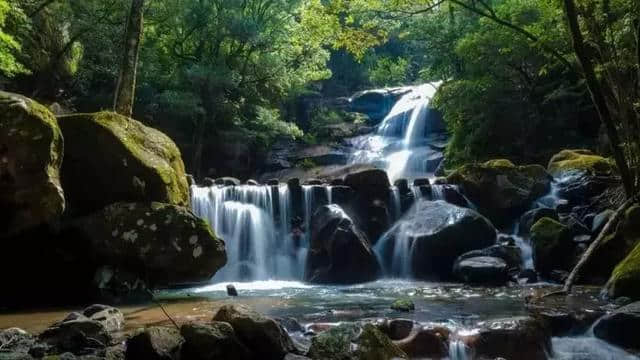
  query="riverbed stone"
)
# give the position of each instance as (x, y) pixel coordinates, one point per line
(335, 343)
(501, 190)
(523, 338)
(625, 278)
(426, 342)
(552, 244)
(261, 334)
(621, 327)
(154, 343)
(339, 252)
(31, 152)
(442, 232)
(482, 270)
(112, 318)
(510, 254)
(109, 158)
(77, 334)
(216, 340)
(167, 243)
(404, 305)
(528, 219)
(374, 345)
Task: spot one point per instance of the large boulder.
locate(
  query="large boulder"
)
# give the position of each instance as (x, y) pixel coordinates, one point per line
(440, 232)
(552, 245)
(510, 254)
(625, 278)
(76, 334)
(523, 338)
(109, 158)
(350, 342)
(621, 327)
(216, 340)
(482, 270)
(573, 161)
(166, 243)
(339, 251)
(31, 150)
(154, 343)
(532, 216)
(261, 334)
(499, 189)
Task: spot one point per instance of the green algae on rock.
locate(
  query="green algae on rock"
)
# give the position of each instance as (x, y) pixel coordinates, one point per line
(110, 158)
(167, 244)
(31, 151)
(552, 245)
(580, 160)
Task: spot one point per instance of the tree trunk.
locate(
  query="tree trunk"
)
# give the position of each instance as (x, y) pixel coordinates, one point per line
(597, 95)
(126, 87)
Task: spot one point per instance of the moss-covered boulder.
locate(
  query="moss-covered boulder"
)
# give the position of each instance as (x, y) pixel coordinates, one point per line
(552, 245)
(110, 158)
(31, 150)
(350, 342)
(404, 305)
(166, 243)
(375, 345)
(501, 190)
(580, 160)
(626, 277)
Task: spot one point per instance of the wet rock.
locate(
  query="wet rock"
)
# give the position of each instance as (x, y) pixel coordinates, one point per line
(295, 357)
(626, 277)
(404, 305)
(510, 254)
(396, 329)
(621, 327)
(450, 194)
(155, 343)
(126, 160)
(117, 286)
(402, 185)
(77, 334)
(290, 324)
(576, 226)
(600, 221)
(152, 238)
(208, 182)
(231, 290)
(528, 219)
(568, 323)
(252, 182)
(376, 104)
(500, 189)
(273, 182)
(110, 317)
(522, 338)
(337, 182)
(426, 342)
(335, 343)
(16, 341)
(31, 152)
(552, 245)
(421, 182)
(374, 345)
(259, 333)
(228, 181)
(321, 155)
(339, 251)
(216, 340)
(482, 270)
(191, 181)
(441, 232)
(529, 276)
(313, 182)
(367, 178)
(572, 161)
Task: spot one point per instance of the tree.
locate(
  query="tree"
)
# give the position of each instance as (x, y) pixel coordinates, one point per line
(126, 86)
(9, 46)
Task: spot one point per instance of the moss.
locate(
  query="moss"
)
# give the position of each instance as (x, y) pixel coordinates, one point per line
(626, 277)
(405, 305)
(580, 161)
(125, 159)
(552, 244)
(334, 344)
(374, 345)
(499, 163)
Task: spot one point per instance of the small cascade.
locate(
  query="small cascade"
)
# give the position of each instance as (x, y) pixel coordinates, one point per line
(396, 202)
(329, 190)
(458, 350)
(399, 244)
(437, 192)
(263, 239)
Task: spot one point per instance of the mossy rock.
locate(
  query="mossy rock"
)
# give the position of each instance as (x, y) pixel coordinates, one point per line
(374, 345)
(405, 305)
(166, 244)
(625, 278)
(31, 151)
(335, 343)
(581, 160)
(552, 245)
(111, 158)
(501, 190)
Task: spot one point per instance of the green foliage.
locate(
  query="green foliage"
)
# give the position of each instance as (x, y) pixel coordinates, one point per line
(10, 48)
(389, 72)
(307, 164)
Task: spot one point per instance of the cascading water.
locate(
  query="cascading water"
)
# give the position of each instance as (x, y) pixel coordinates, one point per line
(401, 144)
(261, 244)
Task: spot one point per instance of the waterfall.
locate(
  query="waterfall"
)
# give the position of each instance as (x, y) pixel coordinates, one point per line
(400, 144)
(261, 241)
(458, 350)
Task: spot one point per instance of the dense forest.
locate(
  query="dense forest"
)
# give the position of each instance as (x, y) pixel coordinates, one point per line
(252, 71)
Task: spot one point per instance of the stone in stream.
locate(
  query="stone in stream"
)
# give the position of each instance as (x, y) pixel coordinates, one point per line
(126, 160)
(552, 244)
(112, 318)
(339, 252)
(231, 290)
(510, 254)
(528, 219)
(404, 305)
(77, 333)
(500, 189)
(151, 238)
(482, 270)
(261, 334)
(625, 278)
(31, 152)
(216, 340)
(426, 342)
(440, 232)
(154, 343)
(621, 327)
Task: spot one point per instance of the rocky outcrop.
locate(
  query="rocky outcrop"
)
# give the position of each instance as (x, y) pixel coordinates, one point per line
(31, 152)
(109, 158)
(482, 270)
(261, 334)
(442, 232)
(165, 243)
(339, 252)
(621, 327)
(499, 189)
(376, 104)
(572, 161)
(552, 245)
